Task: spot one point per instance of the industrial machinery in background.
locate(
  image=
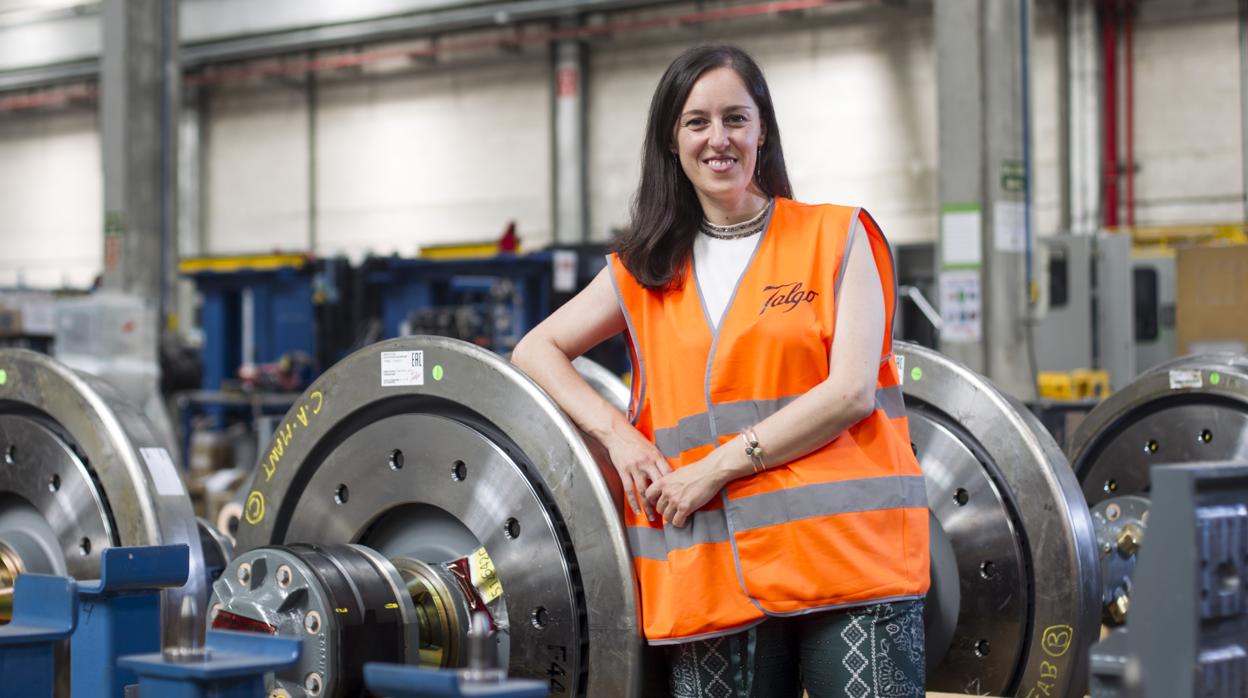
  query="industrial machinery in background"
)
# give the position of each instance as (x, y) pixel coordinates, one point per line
(1189, 410)
(271, 324)
(423, 484)
(27, 319)
(489, 301)
(1187, 635)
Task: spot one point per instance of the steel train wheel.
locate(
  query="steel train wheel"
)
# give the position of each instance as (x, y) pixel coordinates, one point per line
(1015, 595)
(82, 471)
(1191, 409)
(427, 449)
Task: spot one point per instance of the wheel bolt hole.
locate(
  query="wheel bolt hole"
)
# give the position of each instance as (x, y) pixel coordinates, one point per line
(84, 547)
(1152, 446)
(1206, 436)
(396, 459)
(982, 648)
(459, 471)
(987, 569)
(10, 454)
(1111, 486)
(54, 483)
(342, 494)
(961, 496)
(540, 617)
(511, 529)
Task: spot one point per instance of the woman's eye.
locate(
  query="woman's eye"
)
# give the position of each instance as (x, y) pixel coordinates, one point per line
(695, 123)
(736, 118)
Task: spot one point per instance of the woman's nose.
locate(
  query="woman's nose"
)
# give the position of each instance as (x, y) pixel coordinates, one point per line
(719, 136)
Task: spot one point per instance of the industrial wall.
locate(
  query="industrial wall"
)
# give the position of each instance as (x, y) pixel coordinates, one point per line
(454, 152)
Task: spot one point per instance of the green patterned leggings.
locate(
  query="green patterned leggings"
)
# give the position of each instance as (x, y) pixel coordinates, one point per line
(868, 652)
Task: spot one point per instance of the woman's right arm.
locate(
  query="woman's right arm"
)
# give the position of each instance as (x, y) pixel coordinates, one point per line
(546, 354)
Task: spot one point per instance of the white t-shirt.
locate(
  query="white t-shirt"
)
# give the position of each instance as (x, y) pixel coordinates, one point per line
(718, 265)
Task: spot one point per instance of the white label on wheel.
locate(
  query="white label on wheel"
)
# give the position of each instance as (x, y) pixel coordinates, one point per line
(1185, 378)
(900, 361)
(402, 368)
(163, 471)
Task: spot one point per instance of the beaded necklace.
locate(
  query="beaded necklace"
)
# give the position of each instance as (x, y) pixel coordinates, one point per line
(736, 230)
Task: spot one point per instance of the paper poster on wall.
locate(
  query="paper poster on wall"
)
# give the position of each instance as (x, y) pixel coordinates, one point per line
(564, 275)
(960, 235)
(1009, 226)
(961, 306)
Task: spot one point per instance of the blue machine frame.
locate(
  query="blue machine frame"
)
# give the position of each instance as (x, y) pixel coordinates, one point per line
(404, 285)
(283, 316)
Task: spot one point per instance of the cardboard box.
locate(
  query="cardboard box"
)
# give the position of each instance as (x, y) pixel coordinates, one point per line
(1211, 306)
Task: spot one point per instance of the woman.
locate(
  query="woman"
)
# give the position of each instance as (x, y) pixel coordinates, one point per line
(777, 516)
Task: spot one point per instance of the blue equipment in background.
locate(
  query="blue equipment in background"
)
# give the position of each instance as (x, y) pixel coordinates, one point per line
(257, 311)
(491, 301)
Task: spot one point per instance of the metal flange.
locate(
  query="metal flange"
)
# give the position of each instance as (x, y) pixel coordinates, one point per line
(1008, 510)
(429, 448)
(81, 470)
(1194, 408)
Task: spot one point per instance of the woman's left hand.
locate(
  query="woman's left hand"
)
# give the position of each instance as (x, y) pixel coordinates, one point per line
(684, 491)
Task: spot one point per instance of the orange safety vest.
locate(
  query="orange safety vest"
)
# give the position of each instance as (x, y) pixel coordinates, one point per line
(843, 526)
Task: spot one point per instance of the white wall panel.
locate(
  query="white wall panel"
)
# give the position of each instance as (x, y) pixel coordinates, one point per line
(444, 157)
(257, 171)
(1187, 120)
(51, 199)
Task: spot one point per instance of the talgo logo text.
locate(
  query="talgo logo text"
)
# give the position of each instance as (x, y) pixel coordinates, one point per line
(787, 296)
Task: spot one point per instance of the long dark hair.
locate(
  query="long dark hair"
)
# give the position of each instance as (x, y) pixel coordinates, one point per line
(665, 208)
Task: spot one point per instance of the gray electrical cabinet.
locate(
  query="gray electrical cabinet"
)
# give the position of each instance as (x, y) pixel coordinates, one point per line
(1153, 280)
(1088, 320)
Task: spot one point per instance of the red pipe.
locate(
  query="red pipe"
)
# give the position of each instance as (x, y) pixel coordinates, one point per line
(214, 75)
(1109, 106)
(49, 98)
(1128, 71)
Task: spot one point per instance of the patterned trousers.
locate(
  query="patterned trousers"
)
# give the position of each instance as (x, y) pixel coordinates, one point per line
(869, 652)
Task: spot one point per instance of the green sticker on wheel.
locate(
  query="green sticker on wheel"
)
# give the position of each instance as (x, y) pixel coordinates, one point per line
(4, 376)
(1214, 378)
(437, 372)
(916, 374)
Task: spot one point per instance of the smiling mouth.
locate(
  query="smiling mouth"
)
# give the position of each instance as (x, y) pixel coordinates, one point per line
(720, 164)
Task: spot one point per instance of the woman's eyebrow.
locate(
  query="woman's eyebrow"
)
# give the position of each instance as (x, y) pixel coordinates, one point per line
(702, 112)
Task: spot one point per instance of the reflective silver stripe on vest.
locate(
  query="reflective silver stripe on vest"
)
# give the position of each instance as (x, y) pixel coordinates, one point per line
(826, 499)
(732, 417)
(782, 506)
(656, 543)
(892, 401)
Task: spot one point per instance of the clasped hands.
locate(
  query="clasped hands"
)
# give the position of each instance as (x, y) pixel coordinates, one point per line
(651, 485)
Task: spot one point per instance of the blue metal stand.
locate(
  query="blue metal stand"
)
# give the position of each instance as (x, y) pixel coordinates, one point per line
(233, 666)
(120, 614)
(400, 681)
(45, 611)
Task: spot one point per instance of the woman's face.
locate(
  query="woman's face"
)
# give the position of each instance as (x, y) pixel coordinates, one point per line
(718, 134)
